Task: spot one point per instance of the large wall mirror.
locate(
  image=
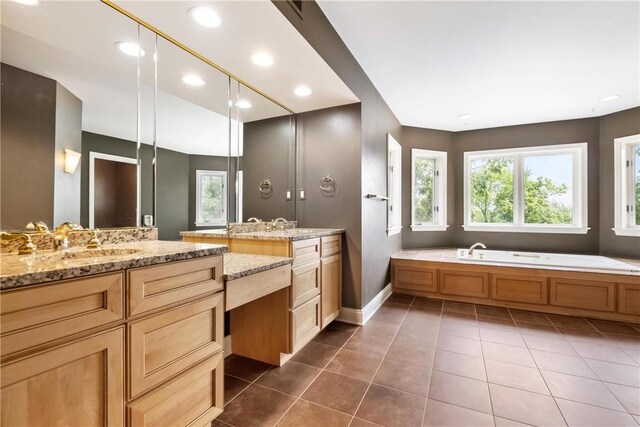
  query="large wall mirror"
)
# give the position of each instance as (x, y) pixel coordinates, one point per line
(159, 136)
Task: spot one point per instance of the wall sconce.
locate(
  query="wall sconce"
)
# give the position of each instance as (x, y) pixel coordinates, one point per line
(71, 160)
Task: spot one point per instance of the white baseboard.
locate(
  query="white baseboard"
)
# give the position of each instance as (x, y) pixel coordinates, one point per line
(360, 317)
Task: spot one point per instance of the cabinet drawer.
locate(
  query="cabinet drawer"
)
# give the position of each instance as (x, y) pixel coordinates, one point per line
(629, 298)
(34, 316)
(304, 251)
(414, 279)
(162, 345)
(78, 384)
(464, 283)
(156, 286)
(585, 294)
(194, 398)
(330, 245)
(305, 282)
(532, 290)
(305, 323)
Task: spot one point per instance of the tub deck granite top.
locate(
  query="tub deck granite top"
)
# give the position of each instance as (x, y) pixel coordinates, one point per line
(449, 255)
(293, 234)
(237, 265)
(48, 266)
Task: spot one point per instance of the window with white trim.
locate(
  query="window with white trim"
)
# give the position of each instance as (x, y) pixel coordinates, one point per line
(394, 186)
(428, 190)
(627, 186)
(528, 190)
(211, 198)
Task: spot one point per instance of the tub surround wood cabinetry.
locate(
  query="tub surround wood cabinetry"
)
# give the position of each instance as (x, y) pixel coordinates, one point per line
(91, 351)
(437, 274)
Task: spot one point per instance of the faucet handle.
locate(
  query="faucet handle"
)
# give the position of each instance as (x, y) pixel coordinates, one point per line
(94, 242)
(39, 226)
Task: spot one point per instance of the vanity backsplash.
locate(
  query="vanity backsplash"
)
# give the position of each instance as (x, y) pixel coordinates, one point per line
(252, 227)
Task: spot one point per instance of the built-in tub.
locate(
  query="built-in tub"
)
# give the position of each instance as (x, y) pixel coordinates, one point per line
(543, 259)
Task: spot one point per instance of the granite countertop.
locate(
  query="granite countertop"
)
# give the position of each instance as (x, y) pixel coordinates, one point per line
(48, 266)
(237, 265)
(450, 255)
(293, 234)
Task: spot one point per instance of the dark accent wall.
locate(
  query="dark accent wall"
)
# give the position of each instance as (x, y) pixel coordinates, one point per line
(623, 123)
(371, 266)
(27, 150)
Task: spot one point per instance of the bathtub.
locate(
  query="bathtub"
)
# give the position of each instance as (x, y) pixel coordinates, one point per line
(545, 259)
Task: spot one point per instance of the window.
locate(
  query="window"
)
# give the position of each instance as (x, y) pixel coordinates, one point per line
(530, 190)
(211, 198)
(627, 186)
(394, 186)
(428, 190)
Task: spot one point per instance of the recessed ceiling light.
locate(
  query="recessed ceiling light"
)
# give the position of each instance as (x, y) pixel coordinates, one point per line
(129, 48)
(205, 17)
(27, 2)
(262, 59)
(243, 104)
(302, 91)
(464, 116)
(193, 80)
(609, 98)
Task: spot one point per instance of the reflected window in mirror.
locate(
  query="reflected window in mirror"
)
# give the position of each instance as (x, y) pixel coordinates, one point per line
(211, 198)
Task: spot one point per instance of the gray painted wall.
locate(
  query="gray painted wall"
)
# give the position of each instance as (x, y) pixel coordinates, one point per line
(27, 147)
(614, 126)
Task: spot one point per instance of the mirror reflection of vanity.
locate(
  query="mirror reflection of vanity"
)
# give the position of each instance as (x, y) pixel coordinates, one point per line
(107, 124)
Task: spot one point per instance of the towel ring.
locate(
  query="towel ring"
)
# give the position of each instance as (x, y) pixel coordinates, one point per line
(327, 184)
(265, 187)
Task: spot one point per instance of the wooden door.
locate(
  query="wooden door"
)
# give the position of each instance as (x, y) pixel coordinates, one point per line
(331, 288)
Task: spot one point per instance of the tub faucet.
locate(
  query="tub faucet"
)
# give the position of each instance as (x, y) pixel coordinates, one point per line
(474, 246)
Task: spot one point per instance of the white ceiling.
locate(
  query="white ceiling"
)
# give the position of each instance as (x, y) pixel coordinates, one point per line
(505, 63)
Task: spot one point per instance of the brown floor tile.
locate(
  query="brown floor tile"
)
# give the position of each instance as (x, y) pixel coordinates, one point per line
(309, 414)
(343, 326)
(404, 377)
(563, 363)
(468, 330)
(400, 299)
(489, 311)
(440, 414)
(537, 329)
(530, 317)
(616, 373)
(503, 422)
(507, 353)
(379, 328)
(579, 414)
(460, 391)
(336, 392)
(633, 354)
(426, 302)
(391, 313)
(426, 337)
(515, 376)
(502, 337)
(368, 344)
(553, 345)
(391, 407)
(460, 364)
(583, 335)
(614, 327)
(355, 365)
(578, 389)
(461, 345)
(524, 406)
(459, 316)
(623, 341)
(359, 422)
(246, 369)
(233, 386)
(459, 307)
(496, 323)
(218, 423)
(629, 397)
(291, 378)
(602, 352)
(257, 406)
(569, 322)
(426, 318)
(315, 354)
(407, 350)
(333, 337)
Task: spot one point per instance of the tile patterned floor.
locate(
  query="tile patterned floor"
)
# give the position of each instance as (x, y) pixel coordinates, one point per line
(421, 362)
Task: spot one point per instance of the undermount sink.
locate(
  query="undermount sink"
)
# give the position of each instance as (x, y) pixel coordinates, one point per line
(86, 253)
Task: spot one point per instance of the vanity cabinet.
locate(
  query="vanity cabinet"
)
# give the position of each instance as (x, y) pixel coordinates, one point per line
(67, 345)
(331, 278)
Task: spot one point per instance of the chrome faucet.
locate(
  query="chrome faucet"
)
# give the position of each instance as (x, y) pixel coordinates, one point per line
(254, 219)
(474, 246)
(278, 221)
(61, 235)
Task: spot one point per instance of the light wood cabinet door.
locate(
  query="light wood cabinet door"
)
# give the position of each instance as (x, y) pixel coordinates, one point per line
(194, 398)
(78, 384)
(305, 282)
(157, 286)
(165, 344)
(414, 278)
(583, 294)
(464, 283)
(514, 288)
(303, 251)
(330, 245)
(305, 323)
(629, 298)
(37, 315)
(331, 300)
